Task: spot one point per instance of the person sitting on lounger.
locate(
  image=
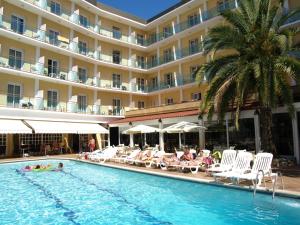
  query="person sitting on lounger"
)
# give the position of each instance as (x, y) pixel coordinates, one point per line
(173, 160)
(144, 155)
(187, 156)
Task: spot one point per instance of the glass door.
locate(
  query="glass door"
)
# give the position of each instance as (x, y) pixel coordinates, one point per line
(13, 95)
(52, 99)
(15, 59)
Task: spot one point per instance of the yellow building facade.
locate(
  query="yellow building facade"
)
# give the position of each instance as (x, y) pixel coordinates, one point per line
(81, 61)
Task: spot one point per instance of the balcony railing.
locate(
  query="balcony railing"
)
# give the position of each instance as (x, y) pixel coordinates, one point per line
(153, 38)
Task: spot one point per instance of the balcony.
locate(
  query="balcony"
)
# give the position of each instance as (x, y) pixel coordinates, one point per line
(110, 33)
(163, 109)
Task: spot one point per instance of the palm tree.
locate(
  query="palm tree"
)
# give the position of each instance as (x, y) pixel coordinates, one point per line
(257, 62)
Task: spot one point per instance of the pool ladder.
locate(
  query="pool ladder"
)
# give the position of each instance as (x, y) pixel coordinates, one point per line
(274, 178)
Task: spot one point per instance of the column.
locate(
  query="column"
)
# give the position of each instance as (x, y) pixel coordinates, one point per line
(71, 105)
(97, 27)
(200, 15)
(157, 55)
(180, 75)
(158, 79)
(96, 106)
(159, 99)
(96, 49)
(130, 63)
(227, 132)
(108, 137)
(161, 136)
(201, 133)
(174, 52)
(179, 136)
(181, 95)
(96, 78)
(296, 137)
(257, 133)
(130, 36)
(131, 143)
(173, 27)
(175, 79)
(236, 3)
(157, 33)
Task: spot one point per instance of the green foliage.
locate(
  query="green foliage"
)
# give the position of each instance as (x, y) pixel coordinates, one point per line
(258, 60)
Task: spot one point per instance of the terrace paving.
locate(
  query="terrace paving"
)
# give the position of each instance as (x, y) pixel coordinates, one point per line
(291, 176)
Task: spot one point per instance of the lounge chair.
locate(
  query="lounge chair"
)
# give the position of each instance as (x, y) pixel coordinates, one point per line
(240, 166)
(126, 158)
(94, 156)
(261, 168)
(226, 164)
(144, 159)
(156, 159)
(106, 155)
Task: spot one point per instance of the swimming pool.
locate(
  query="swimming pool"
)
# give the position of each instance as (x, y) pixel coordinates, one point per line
(91, 194)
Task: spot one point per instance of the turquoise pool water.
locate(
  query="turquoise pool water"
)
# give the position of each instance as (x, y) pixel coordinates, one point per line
(90, 194)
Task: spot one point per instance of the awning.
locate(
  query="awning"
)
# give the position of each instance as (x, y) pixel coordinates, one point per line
(49, 127)
(13, 127)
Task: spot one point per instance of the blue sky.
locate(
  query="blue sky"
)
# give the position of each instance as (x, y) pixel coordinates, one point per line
(144, 9)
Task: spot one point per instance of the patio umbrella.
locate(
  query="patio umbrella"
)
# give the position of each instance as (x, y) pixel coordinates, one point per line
(183, 127)
(141, 129)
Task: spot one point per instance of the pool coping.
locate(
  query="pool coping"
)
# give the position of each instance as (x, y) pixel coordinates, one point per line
(281, 193)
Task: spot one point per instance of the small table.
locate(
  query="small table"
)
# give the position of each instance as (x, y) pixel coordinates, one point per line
(23, 148)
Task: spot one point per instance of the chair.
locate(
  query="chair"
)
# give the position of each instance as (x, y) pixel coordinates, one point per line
(240, 166)
(128, 158)
(261, 168)
(226, 164)
(156, 159)
(106, 155)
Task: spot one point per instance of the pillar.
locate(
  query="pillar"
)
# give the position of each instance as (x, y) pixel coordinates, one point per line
(296, 137)
(200, 15)
(131, 143)
(201, 133)
(161, 136)
(227, 133)
(257, 133)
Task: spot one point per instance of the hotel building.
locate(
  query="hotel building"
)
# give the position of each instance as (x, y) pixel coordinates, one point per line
(84, 63)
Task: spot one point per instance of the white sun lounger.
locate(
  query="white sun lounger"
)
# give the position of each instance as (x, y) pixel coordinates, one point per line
(106, 155)
(128, 158)
(97, 155)
(261, 168)
(241, 165)
(226, 164)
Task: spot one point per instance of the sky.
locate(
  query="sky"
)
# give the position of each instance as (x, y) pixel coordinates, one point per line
(144, 9)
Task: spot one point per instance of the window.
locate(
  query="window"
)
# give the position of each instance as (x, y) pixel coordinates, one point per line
(223, 5)
(53, 37)
(52, 68)
(169, 79)
(116, 81)
(82, 75)
(167, 32)
(15, 59)
(141, 84)
(82, 103)
(153, 61)
(116, 57)
(141, 61)
(140, 39)
(169, 101)
(141, 105)
(55, 8)
(82, 46)
(36, 140)
(193, 46)
(196, 96)
(193, 70)
(116, 32)
(13, 95)
(116, 107)
(193, 20)
(154, 82)
(83, 21)
(3, 144)
(168, 55)
(17, 24)
(52, 100)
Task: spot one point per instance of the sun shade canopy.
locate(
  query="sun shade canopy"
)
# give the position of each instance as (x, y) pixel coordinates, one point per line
(141, 129)
(182, 127)
(49, 127)
(13, 127)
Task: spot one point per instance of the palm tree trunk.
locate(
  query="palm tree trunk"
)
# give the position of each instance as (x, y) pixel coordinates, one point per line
(267, 143)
